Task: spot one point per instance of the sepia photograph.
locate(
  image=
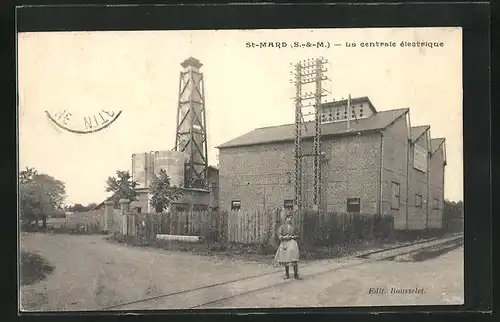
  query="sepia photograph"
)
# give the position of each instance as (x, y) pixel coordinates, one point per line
(240, 169)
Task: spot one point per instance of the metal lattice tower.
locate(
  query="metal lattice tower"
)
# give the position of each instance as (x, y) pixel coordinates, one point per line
(311, 71)
(298, 137)
(191, 134)
(317, 134)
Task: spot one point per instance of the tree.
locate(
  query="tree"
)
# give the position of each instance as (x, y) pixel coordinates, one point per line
(453, 214)
(122, 186)
(453, 210)
(78, 207)
(163, 194)
(53, 190)
(26, 176)
(29, 202)
(40, 195)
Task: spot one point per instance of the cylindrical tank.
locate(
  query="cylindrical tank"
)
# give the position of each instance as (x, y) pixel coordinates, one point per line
(173, 163)
(139, 165)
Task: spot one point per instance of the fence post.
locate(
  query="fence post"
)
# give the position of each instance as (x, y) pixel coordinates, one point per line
(274, 226)
(108, 216)
(230, 227)
(124, 208)
(372, 228)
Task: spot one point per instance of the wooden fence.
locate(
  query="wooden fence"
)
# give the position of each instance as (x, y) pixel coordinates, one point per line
(258, 227)
(331, 228)
(210, 225)
(255, 227)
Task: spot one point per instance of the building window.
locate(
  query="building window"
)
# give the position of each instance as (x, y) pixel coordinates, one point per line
(436, 204)
(288, 204)
(235, 205)
(420, 156)
(418, 201)
(353, 205)
(139, 210)
(395, 196)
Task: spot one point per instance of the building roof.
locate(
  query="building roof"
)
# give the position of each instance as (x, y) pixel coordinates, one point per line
(101, 204)
(284, 133)
(418, 131)
(354, 101)
(436, 143)
(191, 61)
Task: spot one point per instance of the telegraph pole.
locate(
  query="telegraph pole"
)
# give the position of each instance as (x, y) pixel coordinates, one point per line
(311, 71)
(298, 137)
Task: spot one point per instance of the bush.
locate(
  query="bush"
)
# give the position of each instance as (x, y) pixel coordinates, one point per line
(34, 268)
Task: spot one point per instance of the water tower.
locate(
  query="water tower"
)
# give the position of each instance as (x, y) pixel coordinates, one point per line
(191, 134)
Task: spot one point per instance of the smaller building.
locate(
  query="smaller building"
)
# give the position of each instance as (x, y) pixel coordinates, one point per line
(147, 165)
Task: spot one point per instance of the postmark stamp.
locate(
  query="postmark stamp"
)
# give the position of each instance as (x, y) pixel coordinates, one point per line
(83, 123)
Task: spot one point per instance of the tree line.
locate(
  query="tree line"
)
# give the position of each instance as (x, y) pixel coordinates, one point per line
(78, 207)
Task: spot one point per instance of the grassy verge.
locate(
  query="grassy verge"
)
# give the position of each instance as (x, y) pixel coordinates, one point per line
(265, 253)
(234, 251)
(248, 252)
(34, 268)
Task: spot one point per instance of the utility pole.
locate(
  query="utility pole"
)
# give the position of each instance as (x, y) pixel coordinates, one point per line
(298, 137)
(311, 71)
(317, 135)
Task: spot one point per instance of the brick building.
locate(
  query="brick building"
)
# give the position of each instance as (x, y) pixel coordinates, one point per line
(375, 160)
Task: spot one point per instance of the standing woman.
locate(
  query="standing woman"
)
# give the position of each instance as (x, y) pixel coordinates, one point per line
(288, 251)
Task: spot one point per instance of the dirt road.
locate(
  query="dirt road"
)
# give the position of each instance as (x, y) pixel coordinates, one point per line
(99, 274)
(91, 273)
(438, 281)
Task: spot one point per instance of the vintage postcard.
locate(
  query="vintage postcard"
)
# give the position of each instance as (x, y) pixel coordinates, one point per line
(222, 169)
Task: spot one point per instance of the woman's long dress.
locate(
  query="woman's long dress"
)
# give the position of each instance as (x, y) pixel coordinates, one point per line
(288, 251)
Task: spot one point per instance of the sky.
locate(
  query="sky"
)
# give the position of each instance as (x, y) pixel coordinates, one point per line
(137, 72)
